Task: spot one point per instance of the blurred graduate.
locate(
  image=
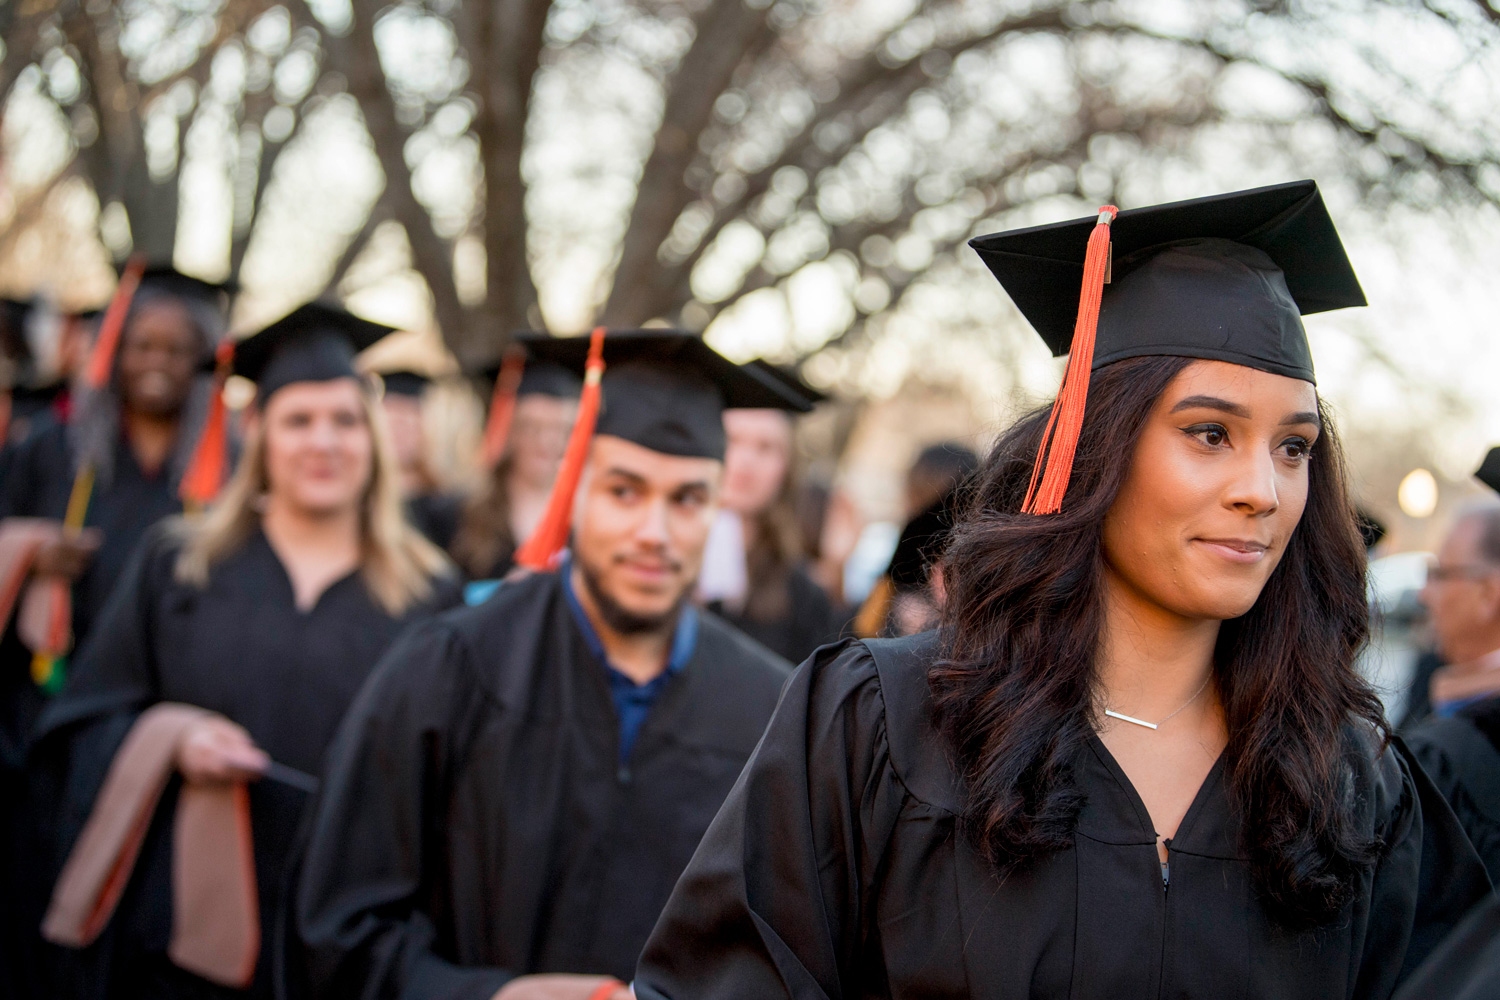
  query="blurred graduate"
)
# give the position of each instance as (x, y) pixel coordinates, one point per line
(521, 782)
(755, 570)
(532, 409)
(203, 700)
(76, 497)
(433, 510)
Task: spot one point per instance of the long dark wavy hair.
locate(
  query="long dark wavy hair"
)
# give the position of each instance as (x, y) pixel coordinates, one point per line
(1015, 686)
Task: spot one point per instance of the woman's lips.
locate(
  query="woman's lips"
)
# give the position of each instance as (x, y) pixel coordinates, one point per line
(1235, 550)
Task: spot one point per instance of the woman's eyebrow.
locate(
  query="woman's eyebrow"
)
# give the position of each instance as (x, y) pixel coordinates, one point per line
(1305, 417)
(1212, 403)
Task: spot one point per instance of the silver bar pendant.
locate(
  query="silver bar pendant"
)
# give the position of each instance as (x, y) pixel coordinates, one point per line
(1126, 718)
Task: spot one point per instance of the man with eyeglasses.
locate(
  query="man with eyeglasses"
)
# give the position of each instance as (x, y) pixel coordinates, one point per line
(1459, 745)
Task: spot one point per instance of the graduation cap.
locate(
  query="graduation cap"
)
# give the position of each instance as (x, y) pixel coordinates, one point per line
(665, 390)
(405, 383)
(790, 379)
(1488, 472)
(1225, 278)
(316, 342)
(164, 278)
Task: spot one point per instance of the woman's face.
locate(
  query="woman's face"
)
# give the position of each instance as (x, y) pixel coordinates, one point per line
(539, 433)
(757, 455)
(1215, 489)
(319, 451)
(159, 354)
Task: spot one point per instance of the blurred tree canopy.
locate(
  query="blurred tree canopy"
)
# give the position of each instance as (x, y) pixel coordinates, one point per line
(561, 161)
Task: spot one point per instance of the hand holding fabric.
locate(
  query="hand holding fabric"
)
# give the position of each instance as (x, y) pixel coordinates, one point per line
(68, 553)
(215, 750)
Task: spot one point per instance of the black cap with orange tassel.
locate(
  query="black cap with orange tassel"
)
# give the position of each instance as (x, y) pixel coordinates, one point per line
(1226, 278)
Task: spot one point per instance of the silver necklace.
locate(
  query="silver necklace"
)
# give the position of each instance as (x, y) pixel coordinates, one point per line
(1157, 725)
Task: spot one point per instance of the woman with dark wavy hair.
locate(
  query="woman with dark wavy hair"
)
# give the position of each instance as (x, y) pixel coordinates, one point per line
(1136, 759)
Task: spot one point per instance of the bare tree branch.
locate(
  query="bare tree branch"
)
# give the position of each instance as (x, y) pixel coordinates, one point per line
(507, 50)
(728, 32)
(356, 57)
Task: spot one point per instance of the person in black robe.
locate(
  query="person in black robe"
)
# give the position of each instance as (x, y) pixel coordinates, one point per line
(1459, 743)
(521, 782)
(1137, 759)
(270, 612)
(135, 436)
(756, 573)
(431, 509)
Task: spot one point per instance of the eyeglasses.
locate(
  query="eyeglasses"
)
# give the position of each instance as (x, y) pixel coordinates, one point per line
(1438, 573)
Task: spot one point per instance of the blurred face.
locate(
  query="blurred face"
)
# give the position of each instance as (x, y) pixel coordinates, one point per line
(1462, 595)
(403, 414)
(159, 354)
(1217, 484)
(756, 458)
(640, 524)
(539, 432)
(319, 452)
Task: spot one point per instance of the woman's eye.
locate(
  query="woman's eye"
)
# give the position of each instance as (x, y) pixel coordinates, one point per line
(1298, 448)
(1212, 435)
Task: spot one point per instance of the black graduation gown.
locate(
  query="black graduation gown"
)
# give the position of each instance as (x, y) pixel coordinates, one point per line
(1466, 966)
(436, 515)
(476, 821)
(837, 869)
(240, 647)
(1462, 756)
(810, 621)
(37, 481)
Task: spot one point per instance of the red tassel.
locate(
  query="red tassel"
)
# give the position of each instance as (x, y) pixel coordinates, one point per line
(205, 472)
(546, 543)
(102, 358)
(502, 408)
(1045, 493)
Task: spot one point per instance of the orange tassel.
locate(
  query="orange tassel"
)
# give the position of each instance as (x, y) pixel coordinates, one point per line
(205, 472)
(546, 543)
(502, 408)
(1045, 493)
(102, 358)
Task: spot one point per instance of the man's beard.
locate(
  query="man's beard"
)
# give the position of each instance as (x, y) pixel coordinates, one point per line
(622, 619)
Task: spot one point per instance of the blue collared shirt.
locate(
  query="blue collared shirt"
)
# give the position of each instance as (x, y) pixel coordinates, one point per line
(633, 701)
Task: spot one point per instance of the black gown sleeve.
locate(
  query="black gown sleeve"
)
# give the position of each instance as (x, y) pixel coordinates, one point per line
(1427, 879)
(773, 902)
(1466, 769)
(375, 836)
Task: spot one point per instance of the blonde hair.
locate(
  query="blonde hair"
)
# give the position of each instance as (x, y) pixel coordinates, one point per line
(398, 564)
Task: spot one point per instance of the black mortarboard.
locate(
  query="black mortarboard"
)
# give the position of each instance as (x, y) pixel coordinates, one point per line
(541, 377)
(1225, 278)
(1488, 472)
(167, 279)
(666, 389)
(315, 342)
(405, 383)
(790, 379)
